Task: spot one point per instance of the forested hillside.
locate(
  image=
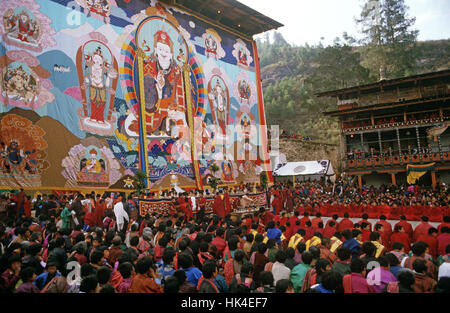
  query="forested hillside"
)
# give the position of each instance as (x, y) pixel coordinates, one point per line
(292, 75)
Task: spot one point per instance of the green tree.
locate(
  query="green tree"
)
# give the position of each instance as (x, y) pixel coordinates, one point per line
(140, 179)
(339, 67)
(389, 42)
(263, 180)
(214, 181)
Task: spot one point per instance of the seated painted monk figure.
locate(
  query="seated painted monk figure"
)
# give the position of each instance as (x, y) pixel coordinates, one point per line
(92, 170)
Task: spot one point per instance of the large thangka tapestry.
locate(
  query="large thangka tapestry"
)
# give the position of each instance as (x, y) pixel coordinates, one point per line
(93, 90)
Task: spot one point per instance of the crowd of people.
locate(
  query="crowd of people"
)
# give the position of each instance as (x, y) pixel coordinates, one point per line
(412, 201)
(92, 243)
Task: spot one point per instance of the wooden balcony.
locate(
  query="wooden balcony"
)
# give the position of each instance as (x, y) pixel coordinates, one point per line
(396, 160)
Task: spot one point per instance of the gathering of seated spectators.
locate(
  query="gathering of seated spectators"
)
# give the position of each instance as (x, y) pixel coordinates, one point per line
(314, 237)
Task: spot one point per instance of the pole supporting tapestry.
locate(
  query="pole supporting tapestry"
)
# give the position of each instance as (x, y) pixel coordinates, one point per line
(141, 117)
(414, 172)
(191, 121)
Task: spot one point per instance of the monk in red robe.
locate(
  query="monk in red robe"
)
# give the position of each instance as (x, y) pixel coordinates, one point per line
(304, 219)
(445, 223)
(219, 205)
(346, 223)
(289, 200)
(435, 213)
(227, 200)
(364, 219)
(365, 231)
(27, 206)
(399, 235)
(422, 228)
(431, 239)
(330, 229)
(100, 208)
(315, 221)
(406, 226)
(387, 226)
(276, 202)
(267, 216)
(443, 240)
(283, 219)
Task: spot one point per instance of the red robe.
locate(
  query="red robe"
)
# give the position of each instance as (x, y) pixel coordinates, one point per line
(421, 229)
(385, 210)
(27, 208)
(267, 217)
(356, 210)
(185, 207)
(407, 227)
(324, 208)
(315, 222)
(372, 211)
(345, 224)
(366, 221)
(276, 202)
(220, 244)
(284, 197)
(409, 213)
(99, 213)
(276, 219)
(228, 206)
(292, 220)
(432, 244)
(417, 212)
(219, 206)
(309, 233)
(443, 225)
(301, 209)
(289, 201)
(395, 213)
(443, 241)
(202, 202)
(248, 223)
(89, 218)
(385, 239)
(303, 221)
(20, 200)
(387, 227)
(365, 235)
(329, 231)
(402, 238)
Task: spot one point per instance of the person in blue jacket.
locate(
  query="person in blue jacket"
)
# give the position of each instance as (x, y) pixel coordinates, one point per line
(273, 232)
(50, 272)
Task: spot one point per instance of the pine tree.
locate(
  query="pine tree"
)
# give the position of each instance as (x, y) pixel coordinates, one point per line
(390, 43)
(339, 67)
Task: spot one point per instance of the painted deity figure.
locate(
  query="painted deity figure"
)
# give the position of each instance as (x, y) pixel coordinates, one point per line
(219, 100)
(27, 28)
(101, 7)
(211, 45)
(227, 172)
(97, 81)
(19, 83)
(242, 57)
(21, 27)
(164, 90)
(15, 159)
(244, 90)
(245, 123)
(15, 156)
